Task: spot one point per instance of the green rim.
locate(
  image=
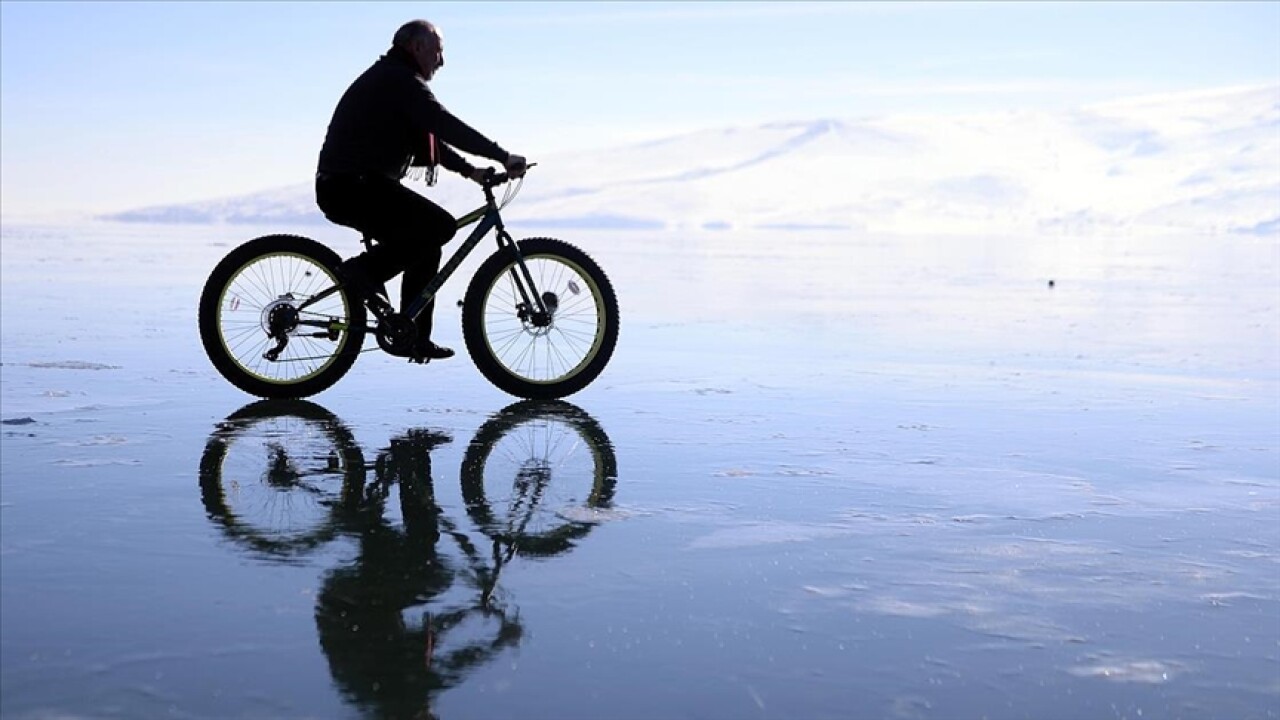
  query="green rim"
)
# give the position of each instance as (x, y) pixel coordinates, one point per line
(575, 329)
(264, 281)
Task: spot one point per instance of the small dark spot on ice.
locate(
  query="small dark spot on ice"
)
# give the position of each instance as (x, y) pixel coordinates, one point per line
(1052, 284)
(18, 421)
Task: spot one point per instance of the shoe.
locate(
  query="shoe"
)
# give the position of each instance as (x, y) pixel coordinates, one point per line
(426, 351)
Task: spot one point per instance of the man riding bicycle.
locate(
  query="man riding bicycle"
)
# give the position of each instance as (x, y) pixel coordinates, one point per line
(387, 125)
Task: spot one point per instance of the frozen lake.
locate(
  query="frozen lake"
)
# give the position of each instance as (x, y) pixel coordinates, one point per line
(826, 475)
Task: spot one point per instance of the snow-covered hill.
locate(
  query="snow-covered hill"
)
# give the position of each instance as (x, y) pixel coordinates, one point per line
(1206, 161)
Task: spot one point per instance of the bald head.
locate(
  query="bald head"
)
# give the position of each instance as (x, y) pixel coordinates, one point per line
(422, 40)
(414, 31)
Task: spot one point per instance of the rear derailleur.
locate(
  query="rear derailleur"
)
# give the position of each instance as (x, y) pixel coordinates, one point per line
(280, 318)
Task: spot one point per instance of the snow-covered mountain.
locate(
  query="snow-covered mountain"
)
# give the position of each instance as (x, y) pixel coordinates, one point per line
(1205, 161)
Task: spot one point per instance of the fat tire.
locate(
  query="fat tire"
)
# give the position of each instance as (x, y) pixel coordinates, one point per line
(209, 332)
(489, 273)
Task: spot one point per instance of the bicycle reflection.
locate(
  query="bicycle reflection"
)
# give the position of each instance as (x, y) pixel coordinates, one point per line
(419, 606)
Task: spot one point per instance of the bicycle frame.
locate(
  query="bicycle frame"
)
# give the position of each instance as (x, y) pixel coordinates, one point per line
(489, 218)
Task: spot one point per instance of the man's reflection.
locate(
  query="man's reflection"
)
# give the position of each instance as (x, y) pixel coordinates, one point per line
(365, 611)
(417, 608)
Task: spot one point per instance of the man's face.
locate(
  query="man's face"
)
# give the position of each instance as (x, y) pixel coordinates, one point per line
(429, 53)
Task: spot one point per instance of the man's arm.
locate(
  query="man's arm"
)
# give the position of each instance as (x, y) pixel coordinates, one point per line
(451, 160)
(430, 116)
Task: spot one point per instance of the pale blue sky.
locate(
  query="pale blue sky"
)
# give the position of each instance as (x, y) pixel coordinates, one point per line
(107, 106)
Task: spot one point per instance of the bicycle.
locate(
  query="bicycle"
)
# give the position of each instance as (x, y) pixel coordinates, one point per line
(539, 317)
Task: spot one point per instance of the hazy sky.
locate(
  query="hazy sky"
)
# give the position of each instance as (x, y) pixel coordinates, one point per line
(108, 106)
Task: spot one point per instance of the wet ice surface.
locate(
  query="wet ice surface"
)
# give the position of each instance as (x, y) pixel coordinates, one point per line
(824, 476)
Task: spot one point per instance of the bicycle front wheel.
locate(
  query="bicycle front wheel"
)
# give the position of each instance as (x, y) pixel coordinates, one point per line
(532, 355)
(253, 302)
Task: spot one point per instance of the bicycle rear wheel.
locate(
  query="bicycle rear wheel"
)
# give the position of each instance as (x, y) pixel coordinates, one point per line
(540, 358)
(253, 300)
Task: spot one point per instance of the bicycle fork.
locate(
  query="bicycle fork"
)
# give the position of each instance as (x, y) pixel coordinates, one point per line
(535, 308)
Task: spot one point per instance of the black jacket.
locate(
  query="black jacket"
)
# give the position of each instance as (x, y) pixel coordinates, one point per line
(384, 122)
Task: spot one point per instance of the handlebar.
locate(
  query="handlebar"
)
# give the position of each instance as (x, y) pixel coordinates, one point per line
(493, 178)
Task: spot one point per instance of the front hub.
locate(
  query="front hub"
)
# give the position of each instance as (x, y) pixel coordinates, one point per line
(538, 322)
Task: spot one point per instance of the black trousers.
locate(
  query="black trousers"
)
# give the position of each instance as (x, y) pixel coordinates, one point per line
(408, 231)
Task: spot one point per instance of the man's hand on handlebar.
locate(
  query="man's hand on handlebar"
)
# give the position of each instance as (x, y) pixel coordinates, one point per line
(515, 165)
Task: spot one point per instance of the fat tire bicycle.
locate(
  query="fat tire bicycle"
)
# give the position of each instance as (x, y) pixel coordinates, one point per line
(539, 317)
